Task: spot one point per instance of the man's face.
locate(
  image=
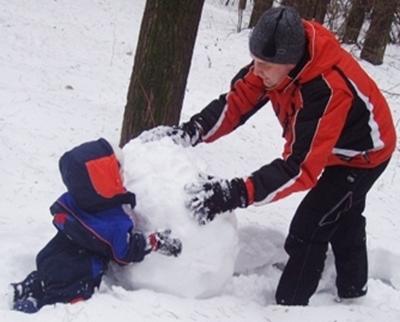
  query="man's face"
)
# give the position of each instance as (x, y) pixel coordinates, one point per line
(271, 74)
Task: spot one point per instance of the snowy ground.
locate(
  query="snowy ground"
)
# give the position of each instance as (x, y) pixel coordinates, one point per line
(65, 68)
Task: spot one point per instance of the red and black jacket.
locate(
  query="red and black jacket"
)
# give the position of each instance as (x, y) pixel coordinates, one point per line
(331, 112)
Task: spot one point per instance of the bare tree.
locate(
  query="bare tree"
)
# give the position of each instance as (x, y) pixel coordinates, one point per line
(395, 36)
(241, 7)
(309, 9)
(378, 33)
(320, 10)
(260, 6)
(161, 66)
(355, 20)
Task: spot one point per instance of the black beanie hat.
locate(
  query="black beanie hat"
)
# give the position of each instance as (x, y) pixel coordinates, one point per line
(278, 36)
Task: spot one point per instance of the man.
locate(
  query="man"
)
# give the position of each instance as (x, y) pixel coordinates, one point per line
(339, 138)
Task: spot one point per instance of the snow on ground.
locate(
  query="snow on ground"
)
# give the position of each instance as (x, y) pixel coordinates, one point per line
(65, 68)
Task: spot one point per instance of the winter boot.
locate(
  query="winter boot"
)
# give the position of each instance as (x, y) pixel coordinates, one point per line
(27, 293)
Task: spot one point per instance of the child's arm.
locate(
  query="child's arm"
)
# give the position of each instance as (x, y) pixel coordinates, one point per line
(160, 241)
(163, 243)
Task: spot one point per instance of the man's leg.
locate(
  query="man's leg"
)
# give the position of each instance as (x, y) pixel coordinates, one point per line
(350, 249)
(331, 211)
(349, 241)
(312, 227)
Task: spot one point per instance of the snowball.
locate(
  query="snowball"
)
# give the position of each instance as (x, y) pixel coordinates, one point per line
(157, 172)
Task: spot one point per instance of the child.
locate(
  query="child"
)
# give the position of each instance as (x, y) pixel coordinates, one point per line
(93, 228)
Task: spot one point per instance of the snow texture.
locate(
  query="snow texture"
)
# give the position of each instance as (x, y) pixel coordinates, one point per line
(65, 68)
(157, 172)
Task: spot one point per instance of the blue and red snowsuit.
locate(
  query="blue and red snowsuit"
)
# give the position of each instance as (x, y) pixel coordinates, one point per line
(72, 264)
(92, 230)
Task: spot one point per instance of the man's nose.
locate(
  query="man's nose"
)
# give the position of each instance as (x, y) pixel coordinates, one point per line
(257, 70)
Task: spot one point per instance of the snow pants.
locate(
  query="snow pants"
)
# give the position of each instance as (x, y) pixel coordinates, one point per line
(331, 212)
(66, 272)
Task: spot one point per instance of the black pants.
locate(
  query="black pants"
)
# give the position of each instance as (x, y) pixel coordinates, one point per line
(330, 213)
(67, 271)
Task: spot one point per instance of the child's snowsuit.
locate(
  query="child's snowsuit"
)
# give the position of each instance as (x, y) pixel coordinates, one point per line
(93, 229)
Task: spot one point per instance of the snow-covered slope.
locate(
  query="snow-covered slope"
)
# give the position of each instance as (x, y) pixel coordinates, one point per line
(64, 72)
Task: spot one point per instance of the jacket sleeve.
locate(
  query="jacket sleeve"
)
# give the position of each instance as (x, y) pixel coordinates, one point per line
(230, 110)
(315, 130)
(136, 247)
(114, 240)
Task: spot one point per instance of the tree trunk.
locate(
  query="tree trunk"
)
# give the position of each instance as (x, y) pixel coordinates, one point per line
(396, 31)
(161, 66)
(355, 20)
(241, 7)
(309, 9)
(378, 33)
(320, 10)
(260, 6)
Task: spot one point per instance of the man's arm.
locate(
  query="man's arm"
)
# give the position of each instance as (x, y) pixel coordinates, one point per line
(221, 116)
(317, 127)
(230, 110)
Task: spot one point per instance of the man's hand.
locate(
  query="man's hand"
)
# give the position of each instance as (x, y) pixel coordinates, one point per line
(163, 243)
(211, 196)
(186, 134)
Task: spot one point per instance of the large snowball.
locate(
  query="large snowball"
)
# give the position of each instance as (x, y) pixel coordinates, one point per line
(157, 172)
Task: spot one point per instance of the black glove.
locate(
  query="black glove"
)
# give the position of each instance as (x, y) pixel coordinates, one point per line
(211, 196)
(163, 243)
(186, 134)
